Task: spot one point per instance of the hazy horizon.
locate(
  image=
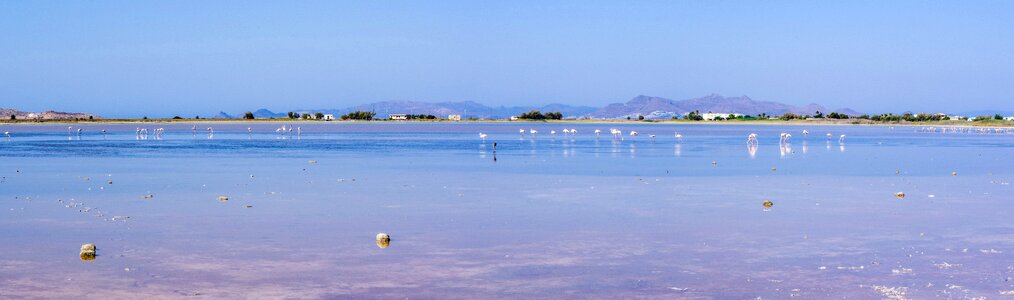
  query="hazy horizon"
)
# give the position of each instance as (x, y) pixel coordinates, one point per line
(129, 59)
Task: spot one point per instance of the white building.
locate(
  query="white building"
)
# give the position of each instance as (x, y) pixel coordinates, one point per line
(1011, 118)
(515, 118)
(397, 116)
(328, 117)
(454, 117)
(712, 116)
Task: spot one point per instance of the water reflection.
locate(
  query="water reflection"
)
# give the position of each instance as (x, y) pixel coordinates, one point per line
(752, 150)
(805, 148)
(678, 150)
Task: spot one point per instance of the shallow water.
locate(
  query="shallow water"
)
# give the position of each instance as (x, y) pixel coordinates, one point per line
(539, 217)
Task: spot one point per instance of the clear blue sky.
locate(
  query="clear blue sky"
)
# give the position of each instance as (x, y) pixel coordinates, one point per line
(135, 58)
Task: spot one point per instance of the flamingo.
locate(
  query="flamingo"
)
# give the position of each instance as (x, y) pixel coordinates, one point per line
(751, 139)
(8, 134)
(552, 132)
(68, 130)
(522, 131)
(249, 130)
(482, 136)
(211, 131)
(841, 139)
(597, 132)
(566, 131)
(79, 131)
(679, 137)
(828, 136)
(573, 132)
(533, 131)
(633, 133)
(805, 133)
(784, 138)
(299, 131)
(652, 137)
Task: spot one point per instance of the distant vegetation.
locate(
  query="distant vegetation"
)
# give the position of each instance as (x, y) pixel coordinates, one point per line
(537, 115)
(359, 115)
(248, 116)
(422, 117)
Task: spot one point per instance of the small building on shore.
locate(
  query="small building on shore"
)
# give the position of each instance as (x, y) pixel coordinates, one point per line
(515, 118)
(328, 117)
(398, 116)
(712, 116)
(454, 117)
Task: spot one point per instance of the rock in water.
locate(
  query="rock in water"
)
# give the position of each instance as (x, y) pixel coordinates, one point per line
(383, 240)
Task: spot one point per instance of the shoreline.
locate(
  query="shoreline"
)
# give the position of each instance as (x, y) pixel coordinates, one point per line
(835, 122)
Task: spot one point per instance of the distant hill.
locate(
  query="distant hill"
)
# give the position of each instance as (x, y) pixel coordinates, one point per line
(6, 113)
(662, 108)
(467, 109)
(648, 106)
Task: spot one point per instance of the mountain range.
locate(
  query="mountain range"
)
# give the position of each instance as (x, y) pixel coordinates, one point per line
(662, 108)
(647, 106)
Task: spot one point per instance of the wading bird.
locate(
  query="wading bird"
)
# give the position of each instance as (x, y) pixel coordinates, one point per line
(751, 139)
(482, 136)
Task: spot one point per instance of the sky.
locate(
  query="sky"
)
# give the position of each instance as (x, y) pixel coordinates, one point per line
(164, 58)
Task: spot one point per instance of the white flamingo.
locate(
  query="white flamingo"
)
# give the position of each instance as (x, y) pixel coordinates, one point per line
(68, 130)
(828, 136)
(784, 138)
(652, 137)
(249, 130)
(566, 131)
(805, 133)
(616, 133)
(751, 139)
(552, 132)
(79, 131)
(573, 132)
(8, 134)
(633, 133)
(679, 137)
(841, 139)
(522, 131)
(533, 131)
(597, 132)
(482, 136)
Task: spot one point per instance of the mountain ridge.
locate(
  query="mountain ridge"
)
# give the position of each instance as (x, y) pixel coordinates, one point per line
(651, 107)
